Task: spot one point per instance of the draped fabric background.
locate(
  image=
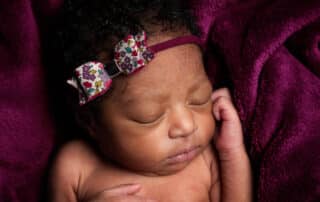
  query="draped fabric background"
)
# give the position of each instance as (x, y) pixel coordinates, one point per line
(267, 51)
(26, 127)
(271, 51)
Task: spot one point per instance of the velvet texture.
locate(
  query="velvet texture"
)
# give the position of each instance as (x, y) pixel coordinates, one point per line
(271, 52)
(270, 49)
(27, 131)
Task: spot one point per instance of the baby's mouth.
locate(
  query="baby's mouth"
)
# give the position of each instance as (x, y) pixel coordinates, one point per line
(184, 155)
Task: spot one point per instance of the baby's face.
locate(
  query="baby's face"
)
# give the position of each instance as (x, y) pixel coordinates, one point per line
(159, 119)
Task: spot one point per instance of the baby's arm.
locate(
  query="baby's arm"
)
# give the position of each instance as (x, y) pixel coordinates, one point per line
(73, 165)
(65, 175)
(235, 170)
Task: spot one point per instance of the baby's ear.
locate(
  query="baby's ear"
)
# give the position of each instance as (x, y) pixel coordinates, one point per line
(86, 120)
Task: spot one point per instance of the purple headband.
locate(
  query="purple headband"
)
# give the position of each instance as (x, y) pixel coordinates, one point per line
(93, 79)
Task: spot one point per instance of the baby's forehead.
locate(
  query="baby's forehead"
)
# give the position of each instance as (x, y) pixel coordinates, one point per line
(149, 86)
(180, 62)
(176, 67)
(133, 88)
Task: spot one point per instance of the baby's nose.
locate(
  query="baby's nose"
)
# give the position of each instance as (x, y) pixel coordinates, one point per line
(182, 123)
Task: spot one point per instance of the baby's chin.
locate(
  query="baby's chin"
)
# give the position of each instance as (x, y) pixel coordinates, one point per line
(171, 166)
(144, 168)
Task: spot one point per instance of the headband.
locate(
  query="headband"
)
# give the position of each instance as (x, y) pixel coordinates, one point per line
(93, 79)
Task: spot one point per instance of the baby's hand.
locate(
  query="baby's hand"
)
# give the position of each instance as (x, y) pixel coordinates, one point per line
(228, 139)
(235, 171)
(125, 193)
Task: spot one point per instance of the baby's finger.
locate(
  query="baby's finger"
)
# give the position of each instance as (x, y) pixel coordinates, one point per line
(222, 92)
(228, 139)
(129, 198)
(124, 189)
(120, 190)
(223, 109)
(124, 198)
(124, 192)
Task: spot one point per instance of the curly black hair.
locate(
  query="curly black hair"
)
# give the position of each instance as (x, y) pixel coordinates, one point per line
(88, 25)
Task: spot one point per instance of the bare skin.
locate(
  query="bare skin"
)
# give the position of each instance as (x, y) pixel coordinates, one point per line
(157, 131)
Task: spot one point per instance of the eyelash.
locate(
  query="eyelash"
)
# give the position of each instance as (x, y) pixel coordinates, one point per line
(200, 103)
(197, 104)
(149, 122)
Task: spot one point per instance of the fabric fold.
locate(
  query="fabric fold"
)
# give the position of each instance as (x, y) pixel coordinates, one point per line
(270, 49)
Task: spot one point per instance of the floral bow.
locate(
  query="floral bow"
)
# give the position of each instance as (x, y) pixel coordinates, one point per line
(93, 79)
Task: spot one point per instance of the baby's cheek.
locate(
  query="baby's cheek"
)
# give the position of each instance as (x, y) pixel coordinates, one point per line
(208, 127)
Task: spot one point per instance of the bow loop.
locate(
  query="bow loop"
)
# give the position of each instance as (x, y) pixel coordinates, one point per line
(91, 80)
(132, 53)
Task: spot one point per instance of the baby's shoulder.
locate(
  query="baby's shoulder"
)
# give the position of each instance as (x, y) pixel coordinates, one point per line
(77, 150)
(76, 153)
(75, 156)
(73, 163)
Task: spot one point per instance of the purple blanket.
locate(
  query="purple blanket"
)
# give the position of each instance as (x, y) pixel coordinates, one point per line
(271, 51)
(26, 136)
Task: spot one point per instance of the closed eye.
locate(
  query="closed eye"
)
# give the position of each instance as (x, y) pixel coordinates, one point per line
(200, 96)
(200, 102)
(149, 121)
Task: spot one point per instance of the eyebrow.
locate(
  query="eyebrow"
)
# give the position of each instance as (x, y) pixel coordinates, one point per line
(130, 100)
